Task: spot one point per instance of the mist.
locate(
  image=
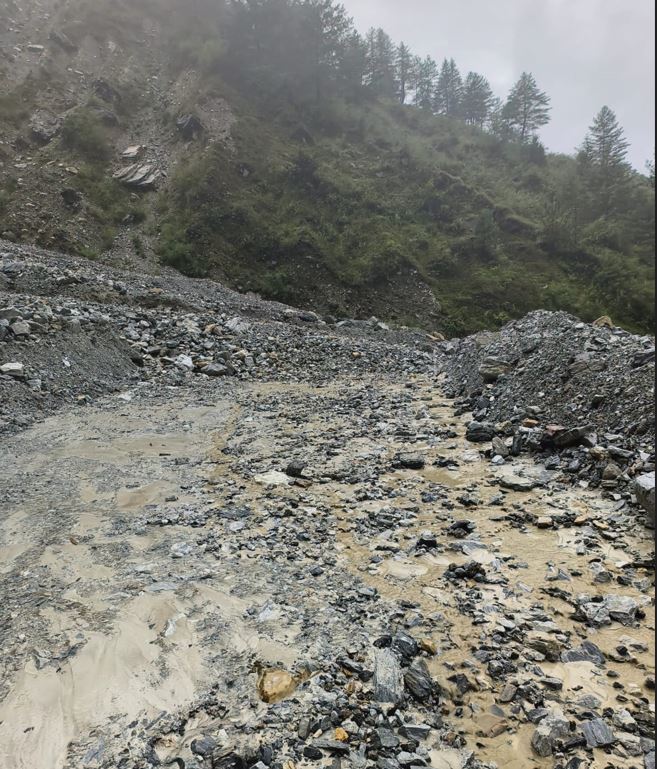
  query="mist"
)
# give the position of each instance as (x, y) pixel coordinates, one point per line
(584, 53)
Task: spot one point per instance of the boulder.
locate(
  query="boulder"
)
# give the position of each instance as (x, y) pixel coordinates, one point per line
(15, 370)
(480, 432)
(644, 488)
(388, 679)
(45, 126)
(493, 368)
(141, 176)
(189, 126)
(552, 729)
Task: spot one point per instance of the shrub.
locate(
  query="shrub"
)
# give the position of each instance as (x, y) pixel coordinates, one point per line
(84, 134)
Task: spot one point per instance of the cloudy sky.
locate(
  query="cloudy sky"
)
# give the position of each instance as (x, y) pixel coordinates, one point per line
(584, 53)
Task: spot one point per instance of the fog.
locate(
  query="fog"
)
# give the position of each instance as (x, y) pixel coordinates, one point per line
(584, 53)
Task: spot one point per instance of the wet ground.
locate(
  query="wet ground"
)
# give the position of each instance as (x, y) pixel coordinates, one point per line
(158, 547)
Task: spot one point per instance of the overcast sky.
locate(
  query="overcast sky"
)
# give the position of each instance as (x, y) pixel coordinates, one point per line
(584, 53)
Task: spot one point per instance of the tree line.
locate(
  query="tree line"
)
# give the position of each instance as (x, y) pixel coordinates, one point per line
(307, 51)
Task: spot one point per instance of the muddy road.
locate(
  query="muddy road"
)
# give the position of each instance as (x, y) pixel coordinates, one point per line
(172, 558)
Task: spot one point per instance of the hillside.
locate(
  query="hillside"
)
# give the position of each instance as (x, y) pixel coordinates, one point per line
(348, 203)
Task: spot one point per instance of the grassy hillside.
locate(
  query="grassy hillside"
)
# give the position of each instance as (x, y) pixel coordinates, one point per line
(336, 198)
(353, 199)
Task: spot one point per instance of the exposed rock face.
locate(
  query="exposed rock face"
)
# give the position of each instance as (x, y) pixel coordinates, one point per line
(141, 176)
(45, 126)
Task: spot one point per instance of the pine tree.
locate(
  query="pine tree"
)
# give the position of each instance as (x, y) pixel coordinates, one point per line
(527, 109)
(449, 90)
(426, 76)
(405, 70)
(381, 63)
(603, 157)
(477, 101)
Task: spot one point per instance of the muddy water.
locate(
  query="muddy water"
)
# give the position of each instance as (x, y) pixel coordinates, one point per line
(488, 724)
(107, 627)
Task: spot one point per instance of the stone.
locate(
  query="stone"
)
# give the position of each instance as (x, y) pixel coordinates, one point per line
(644, 488)
(572, 437)
(20, 328)
(276, 685)
(480, 432)
(493, 368)
(500, 448)
(450, 758)
(612, 472)
(16, 370)
(142, 176)
(388, 679)
(133, 152)
(587, 652)
(553, 729)
(272, 478)
(410, 461)
(45, 126)
(189, 126)
(597, 733)
(203, 746)
(216, 370)
(419, 682)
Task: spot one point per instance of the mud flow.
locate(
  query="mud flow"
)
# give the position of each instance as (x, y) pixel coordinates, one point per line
(186, 578)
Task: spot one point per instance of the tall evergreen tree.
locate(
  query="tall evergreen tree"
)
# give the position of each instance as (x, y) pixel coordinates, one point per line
(405, 71)
(449, 89)
(604, 159)
(325, 30)
(426, 76)
(528, 108)
(353, 67)
(477, 100)
(381, 63)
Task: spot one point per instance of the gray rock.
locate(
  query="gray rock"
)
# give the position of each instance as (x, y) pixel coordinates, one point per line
(45, 126)
(203, 746)
(419, 682)
(16, 370)
(597, 733)
(388, 679)
(142, 176)
(480, 432)
(20, 328)
(493, 368)
(644, 488)
(552, 729)
(216, 370)
(649, 760)
(573, 437)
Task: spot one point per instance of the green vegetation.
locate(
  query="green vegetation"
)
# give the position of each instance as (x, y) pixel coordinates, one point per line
(338, 183)
(359, 173)
(84, 134)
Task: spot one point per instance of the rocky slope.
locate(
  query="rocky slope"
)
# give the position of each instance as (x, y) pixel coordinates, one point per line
(235, 535)
(126, 134)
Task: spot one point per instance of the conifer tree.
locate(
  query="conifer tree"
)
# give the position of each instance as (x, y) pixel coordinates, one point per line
(449, 89)
(603, 157)
(527, 109)
(426, 76)
(477, 101)
(405, 71)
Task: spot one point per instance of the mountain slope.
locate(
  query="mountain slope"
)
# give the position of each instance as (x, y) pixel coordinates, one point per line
(352, 206)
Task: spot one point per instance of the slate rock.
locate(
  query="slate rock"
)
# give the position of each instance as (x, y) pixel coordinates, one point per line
(597, 733)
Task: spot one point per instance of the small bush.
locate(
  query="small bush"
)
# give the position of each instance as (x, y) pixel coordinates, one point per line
(84, 134)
